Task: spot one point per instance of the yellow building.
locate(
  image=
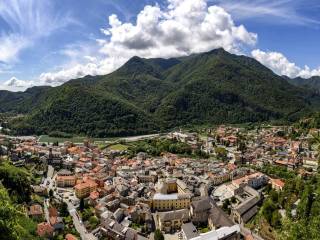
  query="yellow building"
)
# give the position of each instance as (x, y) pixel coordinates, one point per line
(84, 189)
(171, 186)
(66, 181)
(163, 202)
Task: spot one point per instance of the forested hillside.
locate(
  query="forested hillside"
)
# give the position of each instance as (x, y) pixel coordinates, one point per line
(149, 95)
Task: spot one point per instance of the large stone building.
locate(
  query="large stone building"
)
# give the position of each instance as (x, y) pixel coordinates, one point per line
(163, 202)
(248, 207)
(171, 221)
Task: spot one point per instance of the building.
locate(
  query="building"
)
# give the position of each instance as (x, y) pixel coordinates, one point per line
(35, 211)
(200, 210)
(70, 237)
(218, 218)
(189, 232)
(45, 230)
(163, 202)
(84, 189)
(147, 178)
(247, 208)
(171, 221)
(113, 230)
(167, 186)
(277, 184)
(255, 180)
(66, 181)
(224, 233)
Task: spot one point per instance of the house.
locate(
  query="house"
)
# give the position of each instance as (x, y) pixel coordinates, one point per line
(70, 237)
(84, 189)
(172, 220)
(200, 210)
(93, 197)
(45, 230)
(118, 215)
(255, 180)
(122, 190)
(56, 223)
(277, 184)
(40, 190)
(113, 230)
(35, 211)
(66, 181)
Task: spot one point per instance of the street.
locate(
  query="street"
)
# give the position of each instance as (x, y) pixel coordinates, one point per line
(50, 183)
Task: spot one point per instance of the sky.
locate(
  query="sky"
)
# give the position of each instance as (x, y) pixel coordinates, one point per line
(50, 42)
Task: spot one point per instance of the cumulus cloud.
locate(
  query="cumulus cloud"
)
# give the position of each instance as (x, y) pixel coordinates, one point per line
(17, 83)
(282, 66)
(60, 77)
(181, 28)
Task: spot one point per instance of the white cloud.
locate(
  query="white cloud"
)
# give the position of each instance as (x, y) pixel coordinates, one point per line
(17, 83)
(182, 28)
(282, 66)
(27, 22)
(60, 77)
(275, 11)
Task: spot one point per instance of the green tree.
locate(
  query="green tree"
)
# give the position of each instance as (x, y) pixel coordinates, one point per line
(8, 216)
(94, 221)
(276, 219)
(17, 181)
(86, 214)
(304, 207)
(64, 209)
(158, 235)
(268, 208)
(221, 153)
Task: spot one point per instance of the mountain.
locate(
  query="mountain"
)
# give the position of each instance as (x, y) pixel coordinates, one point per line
(147, 95)
(22, 102)
(312, 83)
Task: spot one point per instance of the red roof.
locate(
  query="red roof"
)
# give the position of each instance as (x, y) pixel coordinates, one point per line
(53, 212)
(94, 195)
(70, 237)
(278, 182)
(44, 229)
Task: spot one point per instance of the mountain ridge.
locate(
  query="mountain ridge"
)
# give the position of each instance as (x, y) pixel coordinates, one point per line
(148, 95)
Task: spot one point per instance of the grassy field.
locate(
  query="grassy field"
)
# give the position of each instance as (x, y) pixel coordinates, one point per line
(75, 139)
(118, 147)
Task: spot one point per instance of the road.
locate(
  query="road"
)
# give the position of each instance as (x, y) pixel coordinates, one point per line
(127, 139)
(73, 213)
(50, 182)
(49, 177)
(136, 138)
(46, 211)
(78, 223)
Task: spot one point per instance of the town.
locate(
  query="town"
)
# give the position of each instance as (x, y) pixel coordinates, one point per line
(210, 184)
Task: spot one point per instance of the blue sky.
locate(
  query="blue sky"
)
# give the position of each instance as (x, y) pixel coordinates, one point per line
(50, 42)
